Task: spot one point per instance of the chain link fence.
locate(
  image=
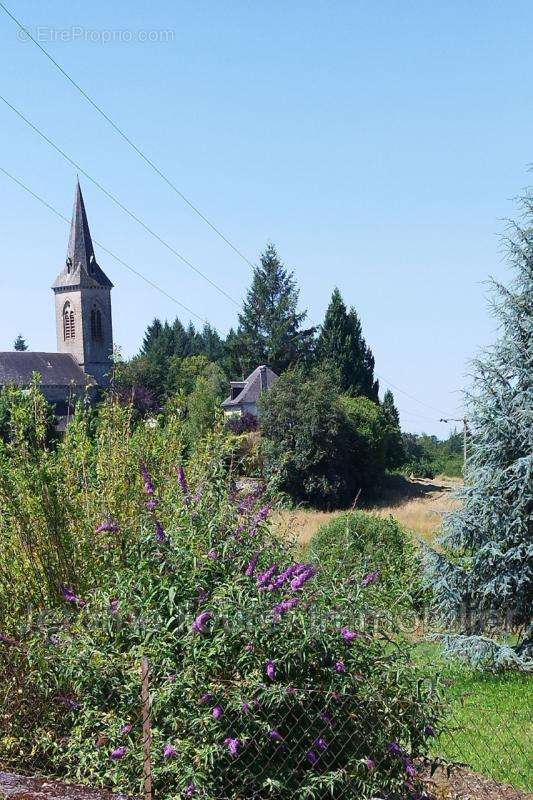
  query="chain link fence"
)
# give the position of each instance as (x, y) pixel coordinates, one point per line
(481, 752)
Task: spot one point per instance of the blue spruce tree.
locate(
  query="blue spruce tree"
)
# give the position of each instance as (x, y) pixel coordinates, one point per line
(483, 578)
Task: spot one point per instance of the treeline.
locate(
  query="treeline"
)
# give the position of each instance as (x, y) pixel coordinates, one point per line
(325, 435)
(427, 456)
(270, 330)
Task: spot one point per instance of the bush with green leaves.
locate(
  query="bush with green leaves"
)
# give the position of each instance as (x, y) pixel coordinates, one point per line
(363, 548)
(261, 680)
(321, 447)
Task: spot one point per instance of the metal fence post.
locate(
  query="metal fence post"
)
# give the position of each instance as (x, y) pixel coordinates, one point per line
(147, 728)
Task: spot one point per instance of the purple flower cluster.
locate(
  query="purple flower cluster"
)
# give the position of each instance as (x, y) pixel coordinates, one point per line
(285, 605)
(302, 578)
(199, 623)
(264, 580)
(118, 753)
(409, 767)
(349, 635)
(247, 502)
(270, 669)
(147, 480)
(170, 751)
(250, 569)
(183, 482)
(371, 578)
(68, 594)
(160, 534)
(111, 526)
(275, 736)
(233, 745)
(217, 712)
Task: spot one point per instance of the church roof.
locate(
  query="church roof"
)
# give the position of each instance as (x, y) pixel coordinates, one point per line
(80, 267)
(260, 380)
(56, 369)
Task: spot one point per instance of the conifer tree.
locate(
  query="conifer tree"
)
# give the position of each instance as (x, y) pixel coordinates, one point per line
(153, 332)
(341, 344)
(270, 325)
(20, 344)
(394, 450)
(483, 581)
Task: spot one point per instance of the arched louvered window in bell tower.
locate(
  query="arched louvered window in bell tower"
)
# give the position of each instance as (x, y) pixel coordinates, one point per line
(96, 323)
(69, 323)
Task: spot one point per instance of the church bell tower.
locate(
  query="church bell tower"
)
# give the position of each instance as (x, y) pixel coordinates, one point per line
(83, 302)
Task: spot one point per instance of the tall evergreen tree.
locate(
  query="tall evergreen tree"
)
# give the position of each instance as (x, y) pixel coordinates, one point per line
(342, 345)
(270, 325)
(394, 450)
(483, 581)
(20, 344)
(152, 334)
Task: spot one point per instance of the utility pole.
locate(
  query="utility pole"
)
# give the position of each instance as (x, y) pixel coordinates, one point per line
(465, 433)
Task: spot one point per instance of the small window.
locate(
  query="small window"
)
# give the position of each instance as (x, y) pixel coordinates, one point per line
(96, 324)
(69, 324)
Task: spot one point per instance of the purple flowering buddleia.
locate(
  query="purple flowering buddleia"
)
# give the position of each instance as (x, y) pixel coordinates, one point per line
(200, 621)
(264, 579)
(160, 534)
(190, 790)
(183, 482)
(213, 555)
(111, 526)
(147, 480)
(312, 757)
(285, 605)
(340, 666)
(300, 580)
(275, 735)
(284, 576)
(369, 763)
(250, 569)
(233, 745)
(151, 504)
(170, 751)
(270, 669)
(349, 635)
(68, 594)
(217, 712)
(321, 743)
(371, 578)
(246, 708)
(118, 753)
(126, 728)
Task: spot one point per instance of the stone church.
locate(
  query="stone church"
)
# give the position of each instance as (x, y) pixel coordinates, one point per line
(82, 293)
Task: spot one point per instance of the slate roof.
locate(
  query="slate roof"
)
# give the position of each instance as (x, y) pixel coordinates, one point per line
(261, 379)
(56, 369)
(80, 267)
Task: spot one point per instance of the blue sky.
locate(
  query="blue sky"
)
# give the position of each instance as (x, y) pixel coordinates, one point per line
(378, 145)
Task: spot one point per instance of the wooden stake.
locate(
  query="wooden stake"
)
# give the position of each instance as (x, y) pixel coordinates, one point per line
(147, 728)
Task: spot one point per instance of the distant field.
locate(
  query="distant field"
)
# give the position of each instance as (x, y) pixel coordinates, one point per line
(417, 504)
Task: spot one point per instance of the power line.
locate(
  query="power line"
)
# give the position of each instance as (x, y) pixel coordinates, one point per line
(115, 200)
(412, 397)
(105, 249)
(126, 138)
(161, 175)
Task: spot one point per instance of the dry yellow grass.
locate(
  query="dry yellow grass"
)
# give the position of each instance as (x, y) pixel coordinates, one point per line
(418, 505)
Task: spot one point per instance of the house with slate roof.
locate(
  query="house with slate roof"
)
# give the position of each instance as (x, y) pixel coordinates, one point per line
(84, 328)
(245, 394)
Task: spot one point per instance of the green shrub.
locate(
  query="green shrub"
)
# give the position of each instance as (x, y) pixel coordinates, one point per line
(323, 448)
(356, 545)
(303, 703)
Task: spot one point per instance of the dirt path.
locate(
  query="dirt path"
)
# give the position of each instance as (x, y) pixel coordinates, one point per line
(417, 504)
(20, 787)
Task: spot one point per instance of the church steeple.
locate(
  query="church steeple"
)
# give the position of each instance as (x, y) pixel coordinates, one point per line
(83, 301)
(80, 265)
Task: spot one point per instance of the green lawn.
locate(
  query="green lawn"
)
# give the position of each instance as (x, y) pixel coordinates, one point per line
(490, 724)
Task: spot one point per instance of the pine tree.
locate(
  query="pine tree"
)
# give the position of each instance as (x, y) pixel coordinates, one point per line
(152, 334)
(341, 344)
(20, 343)
(270, 326)
(394, 450)
(483, 581)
